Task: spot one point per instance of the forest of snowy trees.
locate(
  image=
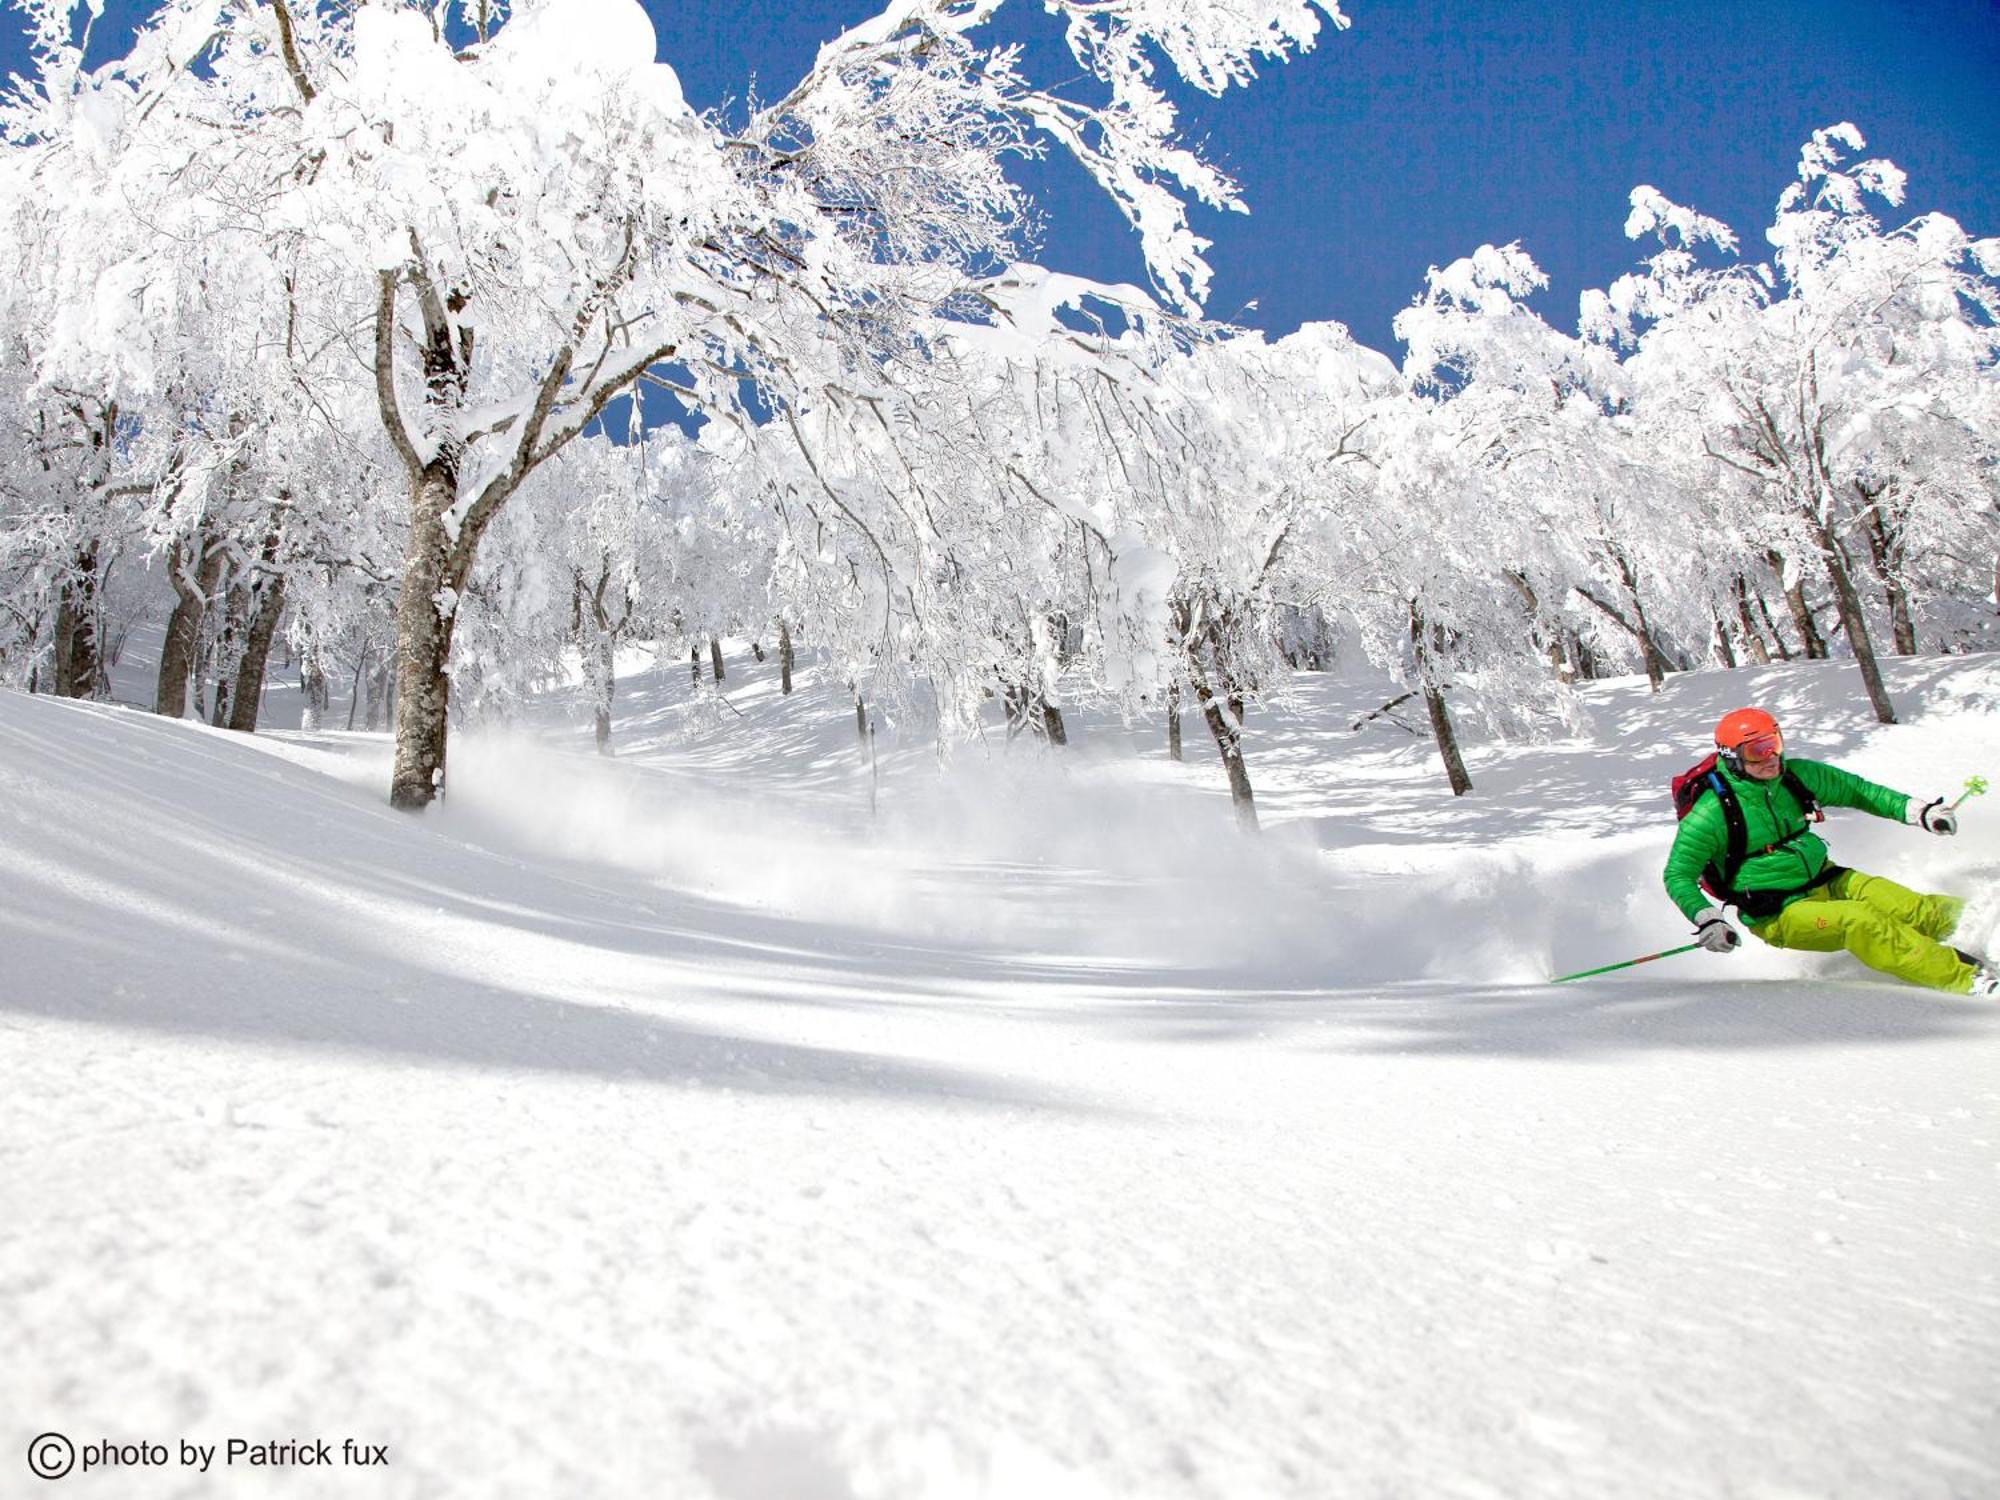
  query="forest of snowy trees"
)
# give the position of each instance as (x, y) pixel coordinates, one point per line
(453, 351)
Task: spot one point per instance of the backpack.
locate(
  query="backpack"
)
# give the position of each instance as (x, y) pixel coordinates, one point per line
(1718, 878)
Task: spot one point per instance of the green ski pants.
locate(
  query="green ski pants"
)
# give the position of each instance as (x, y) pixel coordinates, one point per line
(1885, 925)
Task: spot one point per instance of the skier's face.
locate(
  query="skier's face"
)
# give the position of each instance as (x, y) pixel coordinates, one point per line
(1763, 757)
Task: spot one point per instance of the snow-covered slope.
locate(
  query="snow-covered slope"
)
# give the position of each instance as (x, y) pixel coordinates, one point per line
(674, 1125)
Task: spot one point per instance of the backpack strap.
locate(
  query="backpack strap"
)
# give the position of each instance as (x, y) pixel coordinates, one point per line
(1721, 874)
(1808, 803)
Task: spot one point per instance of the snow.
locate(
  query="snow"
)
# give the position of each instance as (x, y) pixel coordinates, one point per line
(558, 41)
(1135, 605)
(399, 59)
(670, 1125)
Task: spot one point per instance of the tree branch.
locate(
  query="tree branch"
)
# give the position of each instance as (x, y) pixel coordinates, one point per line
(385, 375)
(288, 45)
(1610, 609)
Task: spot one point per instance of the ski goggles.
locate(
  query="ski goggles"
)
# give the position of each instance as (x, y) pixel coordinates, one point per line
(1761, 747)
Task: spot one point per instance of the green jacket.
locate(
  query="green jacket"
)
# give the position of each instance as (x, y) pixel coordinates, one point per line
(1770, 812)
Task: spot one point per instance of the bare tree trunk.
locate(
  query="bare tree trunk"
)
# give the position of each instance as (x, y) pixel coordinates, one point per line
(1635, 624)
(785, 658)
(1724, 652)
(381, 696)
(1777, 636)
(715, 657)
(183, 640)
(1048, 635)
(313, 687)
(1028, 710)
(354, 688)
(589, 615)
(861, 720)
(249, 693)
(1447, 740)
(1228, 736)
(62, 673)
(1649, 653)
(267, 603)
(1853, 620)
(1649, 646)
(1883, 553)
(1202, 654)
(1753, 640)
(225, 655)
(605, 687)
(1173, 721)
(1818, 507)
(1014, 703)
(757, 650)
(425, 617)
(1442, 729)
(76, 667)
(1810, 640)
(78, 664)
(1531, 602)
(1902, 623)
(1582, 661)
(694, 664)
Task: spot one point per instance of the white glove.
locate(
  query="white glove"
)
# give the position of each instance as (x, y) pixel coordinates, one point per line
(1936, 817)
(1713, 932)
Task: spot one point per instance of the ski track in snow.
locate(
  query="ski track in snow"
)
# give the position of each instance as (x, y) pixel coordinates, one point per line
(673, 1127)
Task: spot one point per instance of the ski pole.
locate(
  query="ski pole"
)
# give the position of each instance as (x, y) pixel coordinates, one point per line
(1665, 953)
(1974, 785)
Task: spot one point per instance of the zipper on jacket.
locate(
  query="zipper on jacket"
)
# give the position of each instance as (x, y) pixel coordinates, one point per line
(1770, 791)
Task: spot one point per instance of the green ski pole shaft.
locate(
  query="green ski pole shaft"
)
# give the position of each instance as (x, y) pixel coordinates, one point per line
(1974, 786)
(1668, 953)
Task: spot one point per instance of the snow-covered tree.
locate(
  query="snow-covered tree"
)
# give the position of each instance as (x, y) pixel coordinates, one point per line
(531, 222)
(1810, 383)
(1542, 414)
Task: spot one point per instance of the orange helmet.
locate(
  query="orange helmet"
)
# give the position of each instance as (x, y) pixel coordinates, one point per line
(1748, 731)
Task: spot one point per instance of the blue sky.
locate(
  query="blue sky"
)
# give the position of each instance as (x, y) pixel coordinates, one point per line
(1433, 126)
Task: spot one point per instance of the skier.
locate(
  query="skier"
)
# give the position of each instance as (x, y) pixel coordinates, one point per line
(1746, 833)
